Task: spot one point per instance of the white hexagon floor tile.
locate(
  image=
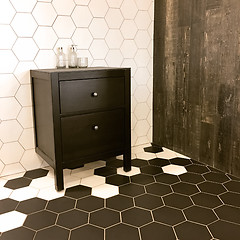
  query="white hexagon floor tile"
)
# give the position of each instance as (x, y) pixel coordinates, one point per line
(5, 193)
(24, 193)
(11, 220)
(50, 193)
(93, 181)
(174, 169)
(166, 153)
(134, 171)
(105, 191)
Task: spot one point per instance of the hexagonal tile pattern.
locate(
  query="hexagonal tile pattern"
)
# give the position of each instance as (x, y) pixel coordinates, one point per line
(25, 49)
(98, 49)
(8, 37)
(98, 8)
(104, 218)
(82, 16)
(10, 131)
(114, 38)
(174, 169)
(64, 26)
(26, 20)
(64, 7)
(142, 20)
(8, 156)
(82, 37)
(44, 14)
(114, 58)
(98, 28)
(129, 9)
(9, 108)
(114, 18)
(6, 12)
(105, 191)
(11, 220)
(45, 37)
(7, 66)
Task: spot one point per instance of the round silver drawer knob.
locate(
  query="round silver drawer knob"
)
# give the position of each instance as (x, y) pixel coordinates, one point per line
(94, 94)
(95, 127)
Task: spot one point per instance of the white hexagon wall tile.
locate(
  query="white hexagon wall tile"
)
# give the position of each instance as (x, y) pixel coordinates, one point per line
(82, 16)
(8, 37)
(44, 14)
(26, 20)
(9, 108)
(45, 37)
(63, 7)
(24, 5)
(6, 12)
(8, 85)
(108, 32)
(8, 156)
(82, 37)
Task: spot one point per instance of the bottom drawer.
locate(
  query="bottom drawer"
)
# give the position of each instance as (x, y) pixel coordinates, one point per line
(92, 134)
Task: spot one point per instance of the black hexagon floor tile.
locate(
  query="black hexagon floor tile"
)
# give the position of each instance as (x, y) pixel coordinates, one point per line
(151, 170)
(36, 173)
(39, 220)
(189, 231)
(7, 205)
(52, 233)
(132, 189)
(72, 219)
(119, 202)
(136, 162)
(191, 178)
(160, 162)
(31, 205)
(20, 233)
(168, 215)
(142, 179)
(61, 204)
(148, 201)
(199, 169)
(78, 191)
(117, 180)
(122, 231)
(158, 189)
(90, 203)
(167, 178)
(156, 231)
(216, 177)
(185, 188)
(89, 232)
(212, 188)
(224, 230)
(136, 217)
(231, 198)
(233, 186)
(177, 200)
(17, 183)
(228, 213)
(114, 163)
(180, 161)
(104, 218)
(206, 200)
(105, 171)
(200, 215)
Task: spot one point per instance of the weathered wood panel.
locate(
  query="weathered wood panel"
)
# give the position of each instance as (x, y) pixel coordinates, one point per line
(197, 80)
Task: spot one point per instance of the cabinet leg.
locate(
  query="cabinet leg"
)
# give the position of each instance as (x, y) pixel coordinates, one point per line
(127, 161)
(58, 174)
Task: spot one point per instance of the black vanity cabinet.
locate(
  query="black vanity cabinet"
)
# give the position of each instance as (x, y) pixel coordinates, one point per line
(80, 116)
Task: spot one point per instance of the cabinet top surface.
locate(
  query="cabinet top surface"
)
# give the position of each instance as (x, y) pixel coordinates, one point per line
(65, 70)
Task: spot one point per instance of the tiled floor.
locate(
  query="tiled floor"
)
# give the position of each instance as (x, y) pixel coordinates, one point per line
(166, 196)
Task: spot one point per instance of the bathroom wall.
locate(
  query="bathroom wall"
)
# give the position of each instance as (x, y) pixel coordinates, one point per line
(109, 32)
(196, 80)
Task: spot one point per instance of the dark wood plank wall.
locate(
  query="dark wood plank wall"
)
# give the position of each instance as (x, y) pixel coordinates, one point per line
(196, 93)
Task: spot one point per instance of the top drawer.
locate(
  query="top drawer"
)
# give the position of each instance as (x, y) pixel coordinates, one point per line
(90, 94)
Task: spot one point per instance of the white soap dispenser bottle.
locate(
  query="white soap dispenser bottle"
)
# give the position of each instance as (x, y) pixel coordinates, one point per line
(61, 58)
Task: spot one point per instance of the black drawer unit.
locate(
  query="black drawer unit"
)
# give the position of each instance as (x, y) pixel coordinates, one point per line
(80, 116)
